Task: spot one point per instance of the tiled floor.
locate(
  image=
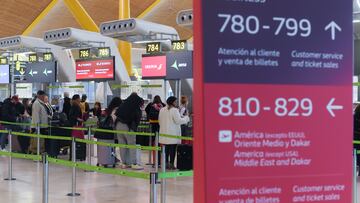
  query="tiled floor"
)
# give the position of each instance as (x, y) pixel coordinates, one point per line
(94, 187)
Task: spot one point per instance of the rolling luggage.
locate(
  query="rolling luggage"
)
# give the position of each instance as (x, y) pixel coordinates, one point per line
(184, 157)
(80, 152)
(106, 155)
(16, 147)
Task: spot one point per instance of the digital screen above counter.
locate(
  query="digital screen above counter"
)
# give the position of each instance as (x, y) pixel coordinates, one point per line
(95, 69)
(4, 74)
(41, 72)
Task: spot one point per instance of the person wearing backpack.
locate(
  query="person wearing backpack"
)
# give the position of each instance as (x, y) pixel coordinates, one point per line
(106, 155)
(152, 111)
(128, 118)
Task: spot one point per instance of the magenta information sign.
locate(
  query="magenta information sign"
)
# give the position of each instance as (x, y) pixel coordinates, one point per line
(277, 85)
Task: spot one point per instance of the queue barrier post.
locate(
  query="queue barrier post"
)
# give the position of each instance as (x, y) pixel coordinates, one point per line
(355, 200)
(88, 148)
(150, 144)
(10, 164)
(163, 169)
(45, 191)
(73, 178)
(153, 187)
(38, 139)
(157, 152)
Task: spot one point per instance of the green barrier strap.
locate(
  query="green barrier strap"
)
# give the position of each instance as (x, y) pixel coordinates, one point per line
(13, 123)
(132, 174)
(122, 132)
(73, 128)
(176, 137)
(4, 131)
(21, 156)
(356, 142)
(118, 145)
(52, 137)
(168, 175)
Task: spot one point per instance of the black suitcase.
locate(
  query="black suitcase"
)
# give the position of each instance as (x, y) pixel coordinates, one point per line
(184, 157)
(80, 152)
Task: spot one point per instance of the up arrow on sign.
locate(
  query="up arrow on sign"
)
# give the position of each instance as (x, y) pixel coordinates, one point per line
(333, 26)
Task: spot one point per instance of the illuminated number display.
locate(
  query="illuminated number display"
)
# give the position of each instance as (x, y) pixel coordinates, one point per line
(33, 58)
(104, 52)
(3, 61)
(48, 57)
(180, 45)
(84, 53)
(153, 47)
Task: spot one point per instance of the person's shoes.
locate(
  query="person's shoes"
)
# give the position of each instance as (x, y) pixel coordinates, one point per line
(172, 167)
(124, 166)
(137, 167)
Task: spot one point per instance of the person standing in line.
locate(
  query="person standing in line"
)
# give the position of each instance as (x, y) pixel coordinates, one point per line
(8, 113)
(170, 122)
(66, 107)
(97, 110)
(85, 107)
(62, 101)
(183, 109)
(76, 120)
(152, 111)
(41, 115)
(75, 113)
(128, 118)
(26, 119)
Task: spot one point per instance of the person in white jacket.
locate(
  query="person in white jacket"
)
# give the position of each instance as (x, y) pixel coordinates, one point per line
(170, 122)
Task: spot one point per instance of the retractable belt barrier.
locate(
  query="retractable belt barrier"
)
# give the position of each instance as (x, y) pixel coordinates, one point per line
(153, 176)
(102, 130)
(103, 170)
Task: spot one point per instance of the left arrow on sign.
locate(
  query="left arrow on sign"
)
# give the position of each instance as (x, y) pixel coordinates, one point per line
(331, 107)
(333, 26)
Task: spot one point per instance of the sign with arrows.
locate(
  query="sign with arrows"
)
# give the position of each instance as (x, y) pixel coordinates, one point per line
(333, 28)
(273, 99)
(4, 74)
(179, 65)
(41, 72)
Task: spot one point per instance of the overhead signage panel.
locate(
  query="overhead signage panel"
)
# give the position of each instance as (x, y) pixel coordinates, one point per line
(4, 74)
(179, 65)
(41, 72)
(95, 69)
(153, 66)
(276, 90)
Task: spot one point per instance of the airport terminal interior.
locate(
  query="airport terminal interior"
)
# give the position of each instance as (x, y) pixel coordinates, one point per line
(97, 102)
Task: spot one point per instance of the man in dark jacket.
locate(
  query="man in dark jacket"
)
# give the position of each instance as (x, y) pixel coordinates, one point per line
(8, 112)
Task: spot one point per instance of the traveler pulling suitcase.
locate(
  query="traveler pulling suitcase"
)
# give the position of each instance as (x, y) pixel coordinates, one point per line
(184, 157)
(106, 155)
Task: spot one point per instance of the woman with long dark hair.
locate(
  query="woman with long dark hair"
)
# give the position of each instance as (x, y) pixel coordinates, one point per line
(128, 119)
(170, 122)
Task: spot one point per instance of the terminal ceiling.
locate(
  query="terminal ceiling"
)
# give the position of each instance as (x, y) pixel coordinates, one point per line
(17, 15)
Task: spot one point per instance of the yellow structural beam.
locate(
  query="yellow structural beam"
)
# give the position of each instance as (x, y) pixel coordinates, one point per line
(40, 17)
(146, 11)
(81, 16)
(125, 47)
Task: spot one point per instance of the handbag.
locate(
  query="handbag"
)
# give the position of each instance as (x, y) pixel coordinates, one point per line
(105, 123)
(80, 134)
